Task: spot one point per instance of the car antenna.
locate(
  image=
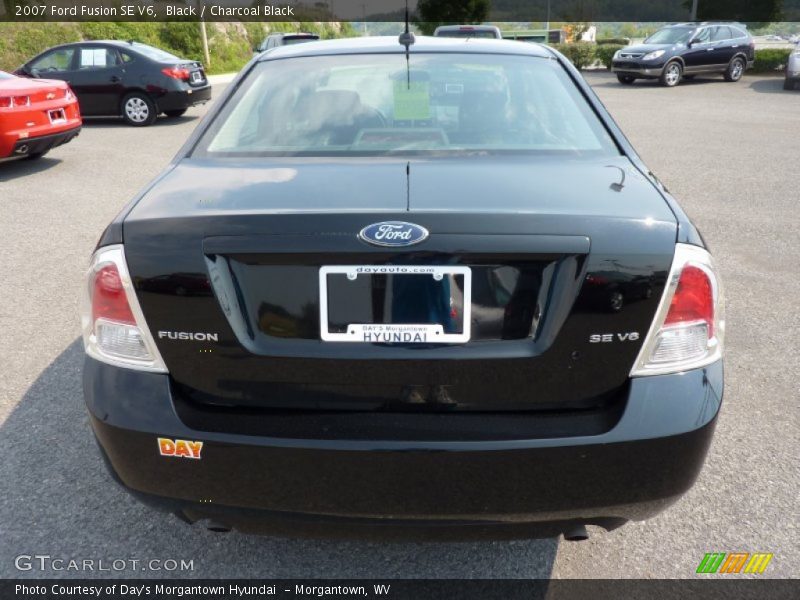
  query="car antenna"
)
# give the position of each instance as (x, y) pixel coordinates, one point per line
(407, 38)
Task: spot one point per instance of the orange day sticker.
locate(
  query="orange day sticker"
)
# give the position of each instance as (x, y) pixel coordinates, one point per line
(180, 448)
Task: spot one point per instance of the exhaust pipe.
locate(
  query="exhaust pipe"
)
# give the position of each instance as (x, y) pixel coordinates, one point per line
(577, 534)
(23, 149)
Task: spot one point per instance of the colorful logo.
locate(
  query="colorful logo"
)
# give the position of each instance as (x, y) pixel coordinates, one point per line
(734, 562)
(180, 448)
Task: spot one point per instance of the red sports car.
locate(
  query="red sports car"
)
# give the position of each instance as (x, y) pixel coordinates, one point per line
(36, 115)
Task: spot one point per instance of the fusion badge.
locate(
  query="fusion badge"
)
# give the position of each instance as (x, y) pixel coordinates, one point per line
(180, 448)
(393, 233)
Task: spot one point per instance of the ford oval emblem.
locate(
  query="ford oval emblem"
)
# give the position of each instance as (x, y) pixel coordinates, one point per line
(393, 233)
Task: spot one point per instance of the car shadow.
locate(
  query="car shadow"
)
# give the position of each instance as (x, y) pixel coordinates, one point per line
(13, 168)
(770, 86)
(109, 122)
(60, 501)
(607, 79)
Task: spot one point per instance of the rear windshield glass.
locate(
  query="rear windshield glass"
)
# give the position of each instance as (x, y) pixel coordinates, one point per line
(467, 33)
(288, 41)
(379, 104)
(155, 53)
(670, 35)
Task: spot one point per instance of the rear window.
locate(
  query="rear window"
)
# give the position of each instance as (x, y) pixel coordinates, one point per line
(379, 104)
(155, 53)
(467, 33)
(289, 40)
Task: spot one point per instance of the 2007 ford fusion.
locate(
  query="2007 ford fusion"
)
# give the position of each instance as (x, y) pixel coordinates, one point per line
(419, 289)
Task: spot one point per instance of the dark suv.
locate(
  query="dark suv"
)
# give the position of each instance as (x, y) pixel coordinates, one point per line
(685, 50)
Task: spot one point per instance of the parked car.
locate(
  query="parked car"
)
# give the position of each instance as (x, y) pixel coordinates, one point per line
(127, 79)
(274, 40)
(35, 116)
(392, 339)
(792, 70)
(468, 31)
(682, 51)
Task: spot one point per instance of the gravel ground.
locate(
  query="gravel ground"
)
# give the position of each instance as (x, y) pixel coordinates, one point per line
(729, 154)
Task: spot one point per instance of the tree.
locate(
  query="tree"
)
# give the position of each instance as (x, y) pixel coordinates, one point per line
(432, 13)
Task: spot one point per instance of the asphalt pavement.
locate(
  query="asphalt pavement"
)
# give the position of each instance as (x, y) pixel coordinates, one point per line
(728, 152)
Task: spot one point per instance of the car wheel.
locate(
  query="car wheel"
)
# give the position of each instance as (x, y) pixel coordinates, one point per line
(735, 69)
(672, 74)
(175, 113)
(626, 79)
(789, 84)
(138, 110)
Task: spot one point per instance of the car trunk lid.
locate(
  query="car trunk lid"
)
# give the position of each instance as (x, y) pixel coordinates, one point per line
(226, 260)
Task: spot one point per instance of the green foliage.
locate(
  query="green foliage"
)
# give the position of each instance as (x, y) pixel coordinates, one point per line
(769, 60)
(628, 30)
(230, 44)
(606, 52)
(432, 13)
(20, 42)
(613, 41)
(146, 33)
(580, 54)
(183, 39)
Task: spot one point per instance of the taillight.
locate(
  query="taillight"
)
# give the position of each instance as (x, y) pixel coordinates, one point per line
(176, 73)
(689, 326)
(693, 301)
(14, 101)
(108, 296)
(114, 329)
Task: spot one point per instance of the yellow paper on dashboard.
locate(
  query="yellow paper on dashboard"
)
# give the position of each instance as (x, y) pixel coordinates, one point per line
(412, 102)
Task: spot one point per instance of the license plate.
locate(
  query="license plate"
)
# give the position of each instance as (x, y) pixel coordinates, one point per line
(197, 77)
(57, 116)
(395, 304)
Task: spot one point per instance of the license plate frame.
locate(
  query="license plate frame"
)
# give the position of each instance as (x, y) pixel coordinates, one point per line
(421, 333)
(57, 116)
(197, 77)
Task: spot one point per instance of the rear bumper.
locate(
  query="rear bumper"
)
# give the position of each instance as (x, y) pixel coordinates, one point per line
(456, 489)
(181, 99)
(36, 145)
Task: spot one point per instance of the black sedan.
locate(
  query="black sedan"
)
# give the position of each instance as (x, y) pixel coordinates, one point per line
(395, 254)
(127, 79)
